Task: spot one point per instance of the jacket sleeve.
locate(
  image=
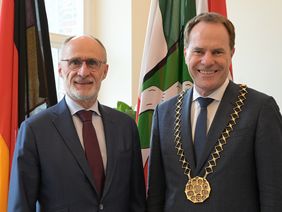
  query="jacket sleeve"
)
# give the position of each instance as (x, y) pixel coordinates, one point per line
(24, 179)
(268, 154)
(156, 179)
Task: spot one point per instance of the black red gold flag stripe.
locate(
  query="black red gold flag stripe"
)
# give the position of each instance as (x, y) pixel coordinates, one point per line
(26, 74)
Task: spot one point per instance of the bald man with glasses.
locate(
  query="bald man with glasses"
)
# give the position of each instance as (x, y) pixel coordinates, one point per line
(79, 155)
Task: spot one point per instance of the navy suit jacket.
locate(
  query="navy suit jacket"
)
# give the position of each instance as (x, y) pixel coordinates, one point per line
(49, 165)
(247, 177)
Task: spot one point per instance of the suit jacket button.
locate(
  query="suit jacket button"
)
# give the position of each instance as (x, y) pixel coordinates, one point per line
(101, 206)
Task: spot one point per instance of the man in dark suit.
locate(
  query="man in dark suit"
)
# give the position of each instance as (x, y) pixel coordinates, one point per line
(51, 167)
(236, 164)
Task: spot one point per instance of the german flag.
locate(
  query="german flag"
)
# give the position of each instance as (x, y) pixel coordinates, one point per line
(26, 75)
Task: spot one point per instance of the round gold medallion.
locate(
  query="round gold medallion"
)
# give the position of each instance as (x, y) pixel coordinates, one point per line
(197, 189)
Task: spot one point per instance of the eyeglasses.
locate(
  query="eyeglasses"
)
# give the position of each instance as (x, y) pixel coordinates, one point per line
(91, 63)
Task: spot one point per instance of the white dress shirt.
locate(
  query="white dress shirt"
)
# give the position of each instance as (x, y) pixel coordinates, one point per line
(96, 121)
(211, 109)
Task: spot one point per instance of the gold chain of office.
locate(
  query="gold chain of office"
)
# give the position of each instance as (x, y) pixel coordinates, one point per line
(198, 189)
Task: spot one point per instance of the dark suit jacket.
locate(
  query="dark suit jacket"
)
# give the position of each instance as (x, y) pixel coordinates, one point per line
(50, 167)
(247, 177)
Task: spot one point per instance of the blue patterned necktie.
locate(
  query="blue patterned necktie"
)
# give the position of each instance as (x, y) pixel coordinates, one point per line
(201, 127)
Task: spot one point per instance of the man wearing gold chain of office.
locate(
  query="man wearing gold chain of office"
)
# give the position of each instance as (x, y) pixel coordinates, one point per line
(216, 147)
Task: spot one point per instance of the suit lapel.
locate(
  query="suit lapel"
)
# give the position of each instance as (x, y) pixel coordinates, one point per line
(64, 124)
(219, 123)
(186, 129)
(109, 128)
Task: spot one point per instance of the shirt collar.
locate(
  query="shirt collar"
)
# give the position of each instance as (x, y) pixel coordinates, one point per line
(216, 95)
(74, 107)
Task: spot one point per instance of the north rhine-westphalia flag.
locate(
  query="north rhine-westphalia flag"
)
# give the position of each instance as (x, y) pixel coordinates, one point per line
(163, 72)
(26, 75)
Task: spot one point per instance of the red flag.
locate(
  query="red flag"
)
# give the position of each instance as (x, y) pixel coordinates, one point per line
(218, 6)
(8, 93)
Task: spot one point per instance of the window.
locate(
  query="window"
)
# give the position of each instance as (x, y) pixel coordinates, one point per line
(65, 17)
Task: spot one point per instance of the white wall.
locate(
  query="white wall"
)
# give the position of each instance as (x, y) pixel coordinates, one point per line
(112, 25)
(140, 10)
(257, 60)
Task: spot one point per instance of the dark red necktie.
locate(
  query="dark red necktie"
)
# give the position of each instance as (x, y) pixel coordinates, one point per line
(92, 149)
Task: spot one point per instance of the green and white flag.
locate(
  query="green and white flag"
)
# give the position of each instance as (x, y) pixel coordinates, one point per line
(164, 72)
